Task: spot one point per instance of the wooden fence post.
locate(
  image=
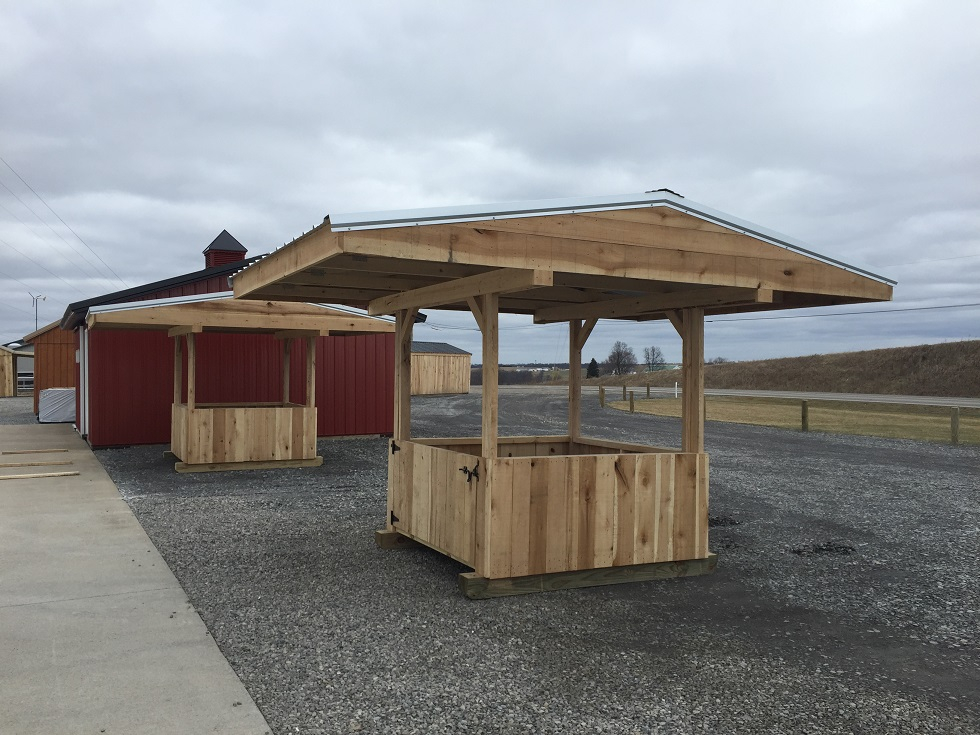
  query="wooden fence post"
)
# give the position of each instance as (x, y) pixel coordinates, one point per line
(805, 415)
(648, 390)
(631, 401)
(602, 396)
(624, 391)
(954, 424)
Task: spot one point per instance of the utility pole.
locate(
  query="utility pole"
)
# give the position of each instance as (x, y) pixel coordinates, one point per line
(37, 298)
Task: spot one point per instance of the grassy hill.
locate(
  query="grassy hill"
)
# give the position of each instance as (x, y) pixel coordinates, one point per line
(951, 369)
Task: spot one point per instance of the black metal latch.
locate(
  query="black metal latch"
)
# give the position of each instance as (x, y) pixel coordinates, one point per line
(471, 473)
(395, 448)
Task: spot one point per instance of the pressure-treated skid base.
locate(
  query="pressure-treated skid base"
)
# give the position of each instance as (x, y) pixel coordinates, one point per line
(270, 464)
(480, 588)
(476, 587)
(389, 539)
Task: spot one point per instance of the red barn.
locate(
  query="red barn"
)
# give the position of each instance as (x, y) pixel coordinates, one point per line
(124, 379)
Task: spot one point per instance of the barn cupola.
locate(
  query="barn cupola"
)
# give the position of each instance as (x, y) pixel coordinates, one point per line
(223, 249)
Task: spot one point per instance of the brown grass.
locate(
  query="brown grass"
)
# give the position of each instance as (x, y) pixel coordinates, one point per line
(951, 369)
(895, 421)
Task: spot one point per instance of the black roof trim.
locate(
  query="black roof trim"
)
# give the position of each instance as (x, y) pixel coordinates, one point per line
(75, 313)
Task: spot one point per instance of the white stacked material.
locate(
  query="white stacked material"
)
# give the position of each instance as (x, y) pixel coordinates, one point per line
(56, 406)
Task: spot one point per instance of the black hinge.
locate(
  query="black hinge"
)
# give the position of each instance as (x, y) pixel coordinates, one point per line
(395, 448)
(471, 473)
(394, 518)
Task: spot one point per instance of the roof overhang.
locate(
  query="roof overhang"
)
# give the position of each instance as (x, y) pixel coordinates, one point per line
(635, 257)
(223, 314)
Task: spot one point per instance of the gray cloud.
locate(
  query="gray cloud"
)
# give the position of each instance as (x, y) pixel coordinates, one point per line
(151, 127)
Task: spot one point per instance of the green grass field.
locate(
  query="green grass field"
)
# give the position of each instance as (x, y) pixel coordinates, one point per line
(894, 421)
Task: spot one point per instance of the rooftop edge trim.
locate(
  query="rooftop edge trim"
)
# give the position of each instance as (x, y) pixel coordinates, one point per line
(513, 210)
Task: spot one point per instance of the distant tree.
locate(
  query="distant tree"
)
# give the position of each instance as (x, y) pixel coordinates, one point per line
(592, 371)
(653, 357)
(621, 359)
(717, 361)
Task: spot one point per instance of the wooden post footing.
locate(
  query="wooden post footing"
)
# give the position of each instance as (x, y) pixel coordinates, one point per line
(480, 588)
(391, 539)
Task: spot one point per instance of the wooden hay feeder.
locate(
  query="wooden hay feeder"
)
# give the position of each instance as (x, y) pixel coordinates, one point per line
(235, 436)
(534, 513)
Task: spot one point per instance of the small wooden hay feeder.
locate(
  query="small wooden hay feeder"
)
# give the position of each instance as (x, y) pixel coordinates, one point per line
(234, 436)
(534, 513)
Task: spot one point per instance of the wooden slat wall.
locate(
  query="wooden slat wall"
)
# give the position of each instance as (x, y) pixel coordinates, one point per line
(243, 434)
(54, 361)
(433, 501)
(435, 374)
(8, 374)
(553, 514)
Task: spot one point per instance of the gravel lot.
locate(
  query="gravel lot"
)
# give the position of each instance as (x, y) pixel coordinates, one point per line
(845, 600)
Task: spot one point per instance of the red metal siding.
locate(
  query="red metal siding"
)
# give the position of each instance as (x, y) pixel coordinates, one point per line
(131, 381)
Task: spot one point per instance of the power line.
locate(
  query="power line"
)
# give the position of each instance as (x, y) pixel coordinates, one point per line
(843, 313)
(41, 240)
(46, 224)
(931, 260)
(4, 242)
(63, 222)
(17, 308)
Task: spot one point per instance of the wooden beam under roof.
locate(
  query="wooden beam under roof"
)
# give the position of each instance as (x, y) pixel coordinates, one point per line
(462, 244)
(633, 307)
(492, 282)
(237, 315)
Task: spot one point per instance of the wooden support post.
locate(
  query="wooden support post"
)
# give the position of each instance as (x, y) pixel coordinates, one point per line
(575, 344)
(648, 390)
(191, 369)
(311, 372)
(404, 321)
(692, 400)
(805, 415)
(286, 346)
(490, 305)
(178, 369)
(624, 389)
(602, 396)
(954, 425)
(632, 407)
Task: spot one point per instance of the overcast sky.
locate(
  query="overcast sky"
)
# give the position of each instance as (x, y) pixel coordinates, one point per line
(150, 127)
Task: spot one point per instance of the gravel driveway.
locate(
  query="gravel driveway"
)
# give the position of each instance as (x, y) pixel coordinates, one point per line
(845, 600)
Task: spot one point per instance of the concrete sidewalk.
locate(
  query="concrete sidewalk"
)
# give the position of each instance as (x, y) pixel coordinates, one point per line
(96, 635)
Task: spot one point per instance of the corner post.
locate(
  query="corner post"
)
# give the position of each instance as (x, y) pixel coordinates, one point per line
(692, 400)
(178, 369)
(490, 305)
(404, 321)
(574, 380)
(311, 372)
(191, 370)
(286, 347)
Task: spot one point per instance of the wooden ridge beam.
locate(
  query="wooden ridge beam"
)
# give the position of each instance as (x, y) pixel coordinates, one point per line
(503, 280)
(638, 306)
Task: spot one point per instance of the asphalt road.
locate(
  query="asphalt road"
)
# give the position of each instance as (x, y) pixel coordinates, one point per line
(613, 391)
